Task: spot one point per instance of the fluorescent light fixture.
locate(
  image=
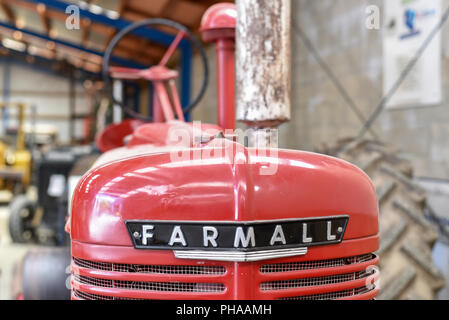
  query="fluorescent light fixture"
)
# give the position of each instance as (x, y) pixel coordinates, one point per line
(14, 45)
(112, 14)
(95, 9)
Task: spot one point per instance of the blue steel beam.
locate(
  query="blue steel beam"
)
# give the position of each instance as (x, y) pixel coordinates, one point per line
(124, 62)
(186, 75)
(6, 90)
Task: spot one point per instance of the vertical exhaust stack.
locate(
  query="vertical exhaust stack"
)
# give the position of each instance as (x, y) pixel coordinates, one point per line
(263, 66)
(218, 26)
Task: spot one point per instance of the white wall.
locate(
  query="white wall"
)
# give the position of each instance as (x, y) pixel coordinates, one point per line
(48, 92)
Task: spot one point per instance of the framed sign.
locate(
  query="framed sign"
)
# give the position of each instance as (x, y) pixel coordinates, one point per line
(408, 23)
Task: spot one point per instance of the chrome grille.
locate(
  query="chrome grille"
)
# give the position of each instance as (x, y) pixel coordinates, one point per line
(331, 295)
(90, 296)
(151, 286)
(311, 282)
(104, 283)
(150, 269)
(93, 265)
(319, 264)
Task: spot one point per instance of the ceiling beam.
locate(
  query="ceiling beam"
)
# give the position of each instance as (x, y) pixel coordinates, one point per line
(122, 7)
(166, 9)
(85, 31)
(8, 12)
(42, 11)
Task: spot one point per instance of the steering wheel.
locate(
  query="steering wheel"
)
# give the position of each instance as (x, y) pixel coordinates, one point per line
(129, 73)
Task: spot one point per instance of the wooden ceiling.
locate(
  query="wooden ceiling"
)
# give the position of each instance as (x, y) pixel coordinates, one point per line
(37, 17)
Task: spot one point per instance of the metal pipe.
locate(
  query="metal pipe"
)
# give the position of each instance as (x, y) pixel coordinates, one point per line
(164, 100)
(263, 62)
(226, 83)
(158, 115)
(176, 101)
(218, 25)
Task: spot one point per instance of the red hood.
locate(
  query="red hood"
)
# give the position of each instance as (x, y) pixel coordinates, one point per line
(216, 188)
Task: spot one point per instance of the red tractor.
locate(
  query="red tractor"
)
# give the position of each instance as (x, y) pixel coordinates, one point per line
(184, 211)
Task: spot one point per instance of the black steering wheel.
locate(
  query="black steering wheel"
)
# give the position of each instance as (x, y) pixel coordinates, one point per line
(152, 22)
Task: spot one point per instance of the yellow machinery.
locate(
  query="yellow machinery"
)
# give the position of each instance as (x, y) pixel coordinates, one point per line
(15, 161)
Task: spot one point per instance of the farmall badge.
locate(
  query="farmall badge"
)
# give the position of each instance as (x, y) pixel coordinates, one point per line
(237, 241)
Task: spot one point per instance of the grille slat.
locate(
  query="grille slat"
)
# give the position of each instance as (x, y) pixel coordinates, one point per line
(312, 282)
(151, 286)
(331, 295)
(90, 296)
(150, 269)
(320, 264)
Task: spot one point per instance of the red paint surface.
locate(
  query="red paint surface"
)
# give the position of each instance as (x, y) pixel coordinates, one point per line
(216, 188)
(225, 83)
(113, 136)
(219, 16)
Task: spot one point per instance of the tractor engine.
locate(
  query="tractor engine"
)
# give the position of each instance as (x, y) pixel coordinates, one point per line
(206, 217)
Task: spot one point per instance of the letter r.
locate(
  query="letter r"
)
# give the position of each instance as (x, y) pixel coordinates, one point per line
(210, 234)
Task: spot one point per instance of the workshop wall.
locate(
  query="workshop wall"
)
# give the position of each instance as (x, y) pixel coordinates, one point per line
(48, 93)
(338, 31)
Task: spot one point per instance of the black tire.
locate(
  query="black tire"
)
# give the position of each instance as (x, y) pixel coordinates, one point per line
(406, 236)
(46, 274)
(21, 214)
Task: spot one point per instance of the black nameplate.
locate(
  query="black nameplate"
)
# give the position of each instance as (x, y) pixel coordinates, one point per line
(237, 236)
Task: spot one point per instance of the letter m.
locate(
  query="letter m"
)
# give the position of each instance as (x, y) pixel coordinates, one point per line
(244, 240)
(257, 309)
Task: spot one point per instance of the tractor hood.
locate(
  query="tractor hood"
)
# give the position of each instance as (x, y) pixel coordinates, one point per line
(221, 181)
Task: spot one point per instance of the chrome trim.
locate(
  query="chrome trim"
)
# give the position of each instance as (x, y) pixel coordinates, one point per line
(246, 222)
(239, 256)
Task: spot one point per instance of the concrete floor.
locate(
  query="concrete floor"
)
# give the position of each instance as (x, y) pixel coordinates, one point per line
(9, 255)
